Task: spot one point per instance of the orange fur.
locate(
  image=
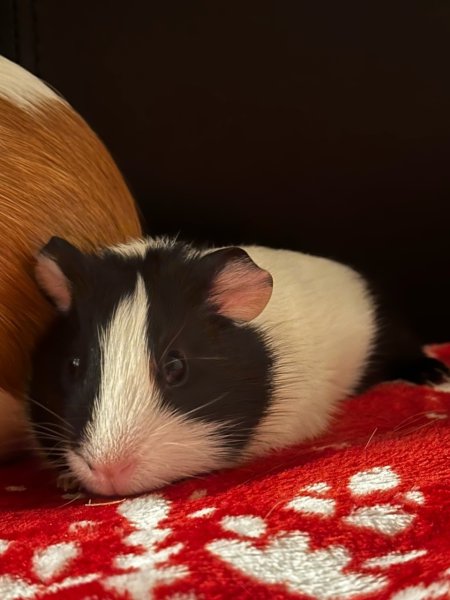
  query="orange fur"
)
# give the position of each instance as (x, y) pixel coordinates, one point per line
(56, 178)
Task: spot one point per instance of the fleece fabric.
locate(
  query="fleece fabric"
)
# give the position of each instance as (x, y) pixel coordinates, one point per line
(362, 513)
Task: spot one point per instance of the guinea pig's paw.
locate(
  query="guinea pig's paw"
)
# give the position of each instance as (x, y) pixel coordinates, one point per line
(67, 482)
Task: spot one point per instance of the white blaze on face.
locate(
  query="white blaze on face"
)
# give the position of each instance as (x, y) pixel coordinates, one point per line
(134, 442)
(126, 384)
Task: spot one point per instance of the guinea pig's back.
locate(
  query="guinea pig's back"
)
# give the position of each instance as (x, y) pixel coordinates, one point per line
(56, 178)
(321, 325)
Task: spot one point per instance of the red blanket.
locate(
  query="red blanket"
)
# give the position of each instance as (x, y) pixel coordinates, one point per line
(362, 513)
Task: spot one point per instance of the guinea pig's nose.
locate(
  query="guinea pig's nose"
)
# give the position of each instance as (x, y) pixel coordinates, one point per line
(106, 476)
(113, 477)
(113, 470)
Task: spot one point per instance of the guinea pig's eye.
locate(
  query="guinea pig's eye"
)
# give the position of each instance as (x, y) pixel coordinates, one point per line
(174, 368)
(73, 366)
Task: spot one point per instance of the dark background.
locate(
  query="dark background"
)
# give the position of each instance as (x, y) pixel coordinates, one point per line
(318, 125)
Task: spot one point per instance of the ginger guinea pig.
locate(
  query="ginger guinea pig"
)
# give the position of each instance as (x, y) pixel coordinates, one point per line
(167, 361)
(56, 178)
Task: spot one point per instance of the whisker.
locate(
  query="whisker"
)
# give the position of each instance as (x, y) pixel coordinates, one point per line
(48, 452)
(51, 436)
(53, 424)
(59, 446)
(58, 441)
(410, 419)
(217, 399)
(371, 438)
(51, 412)
(48, 426)
(43, 429)
(189, 413)
(405, 432)
(77, 497)
(57, 464)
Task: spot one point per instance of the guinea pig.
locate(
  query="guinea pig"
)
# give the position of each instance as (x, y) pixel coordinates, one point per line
(168, 361)
(56, 177)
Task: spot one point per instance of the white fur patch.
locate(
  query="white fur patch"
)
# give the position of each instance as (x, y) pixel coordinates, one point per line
(320, 322)
(140, 246)
(129, 421)
(22, 88)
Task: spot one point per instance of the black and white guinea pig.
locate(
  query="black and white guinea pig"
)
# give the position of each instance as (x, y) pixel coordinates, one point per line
(167, 361)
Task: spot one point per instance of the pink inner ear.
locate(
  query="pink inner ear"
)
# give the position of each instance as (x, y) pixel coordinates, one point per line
(241, 291)
(53, 281)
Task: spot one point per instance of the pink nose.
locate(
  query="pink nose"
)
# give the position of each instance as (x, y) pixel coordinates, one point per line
(112, 478)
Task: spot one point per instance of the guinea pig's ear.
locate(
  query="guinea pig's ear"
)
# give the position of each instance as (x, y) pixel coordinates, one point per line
(239, 289)
(58, 267)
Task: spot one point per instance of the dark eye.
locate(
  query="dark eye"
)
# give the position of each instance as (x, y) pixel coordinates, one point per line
(73, 367)
(175, 368)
